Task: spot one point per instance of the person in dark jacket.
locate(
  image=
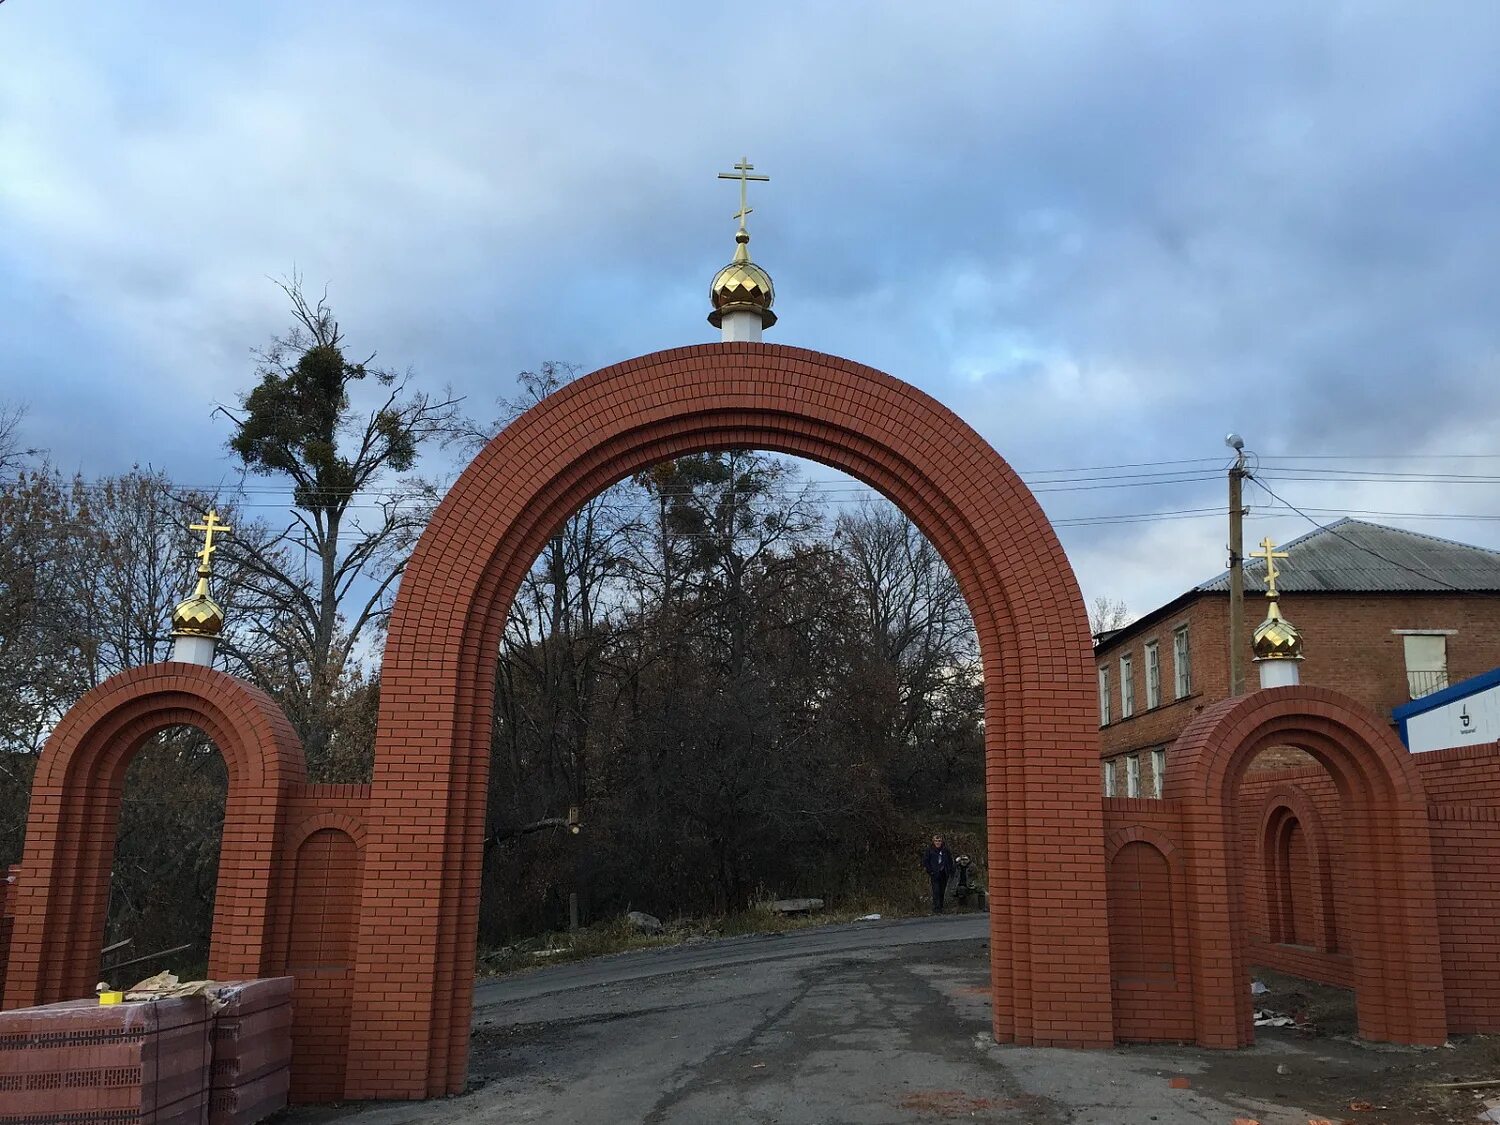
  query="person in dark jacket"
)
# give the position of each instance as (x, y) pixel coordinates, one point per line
(937, 861)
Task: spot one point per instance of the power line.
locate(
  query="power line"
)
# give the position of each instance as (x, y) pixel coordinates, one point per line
(1376, 477)
(1126, 465)
(1384, 456)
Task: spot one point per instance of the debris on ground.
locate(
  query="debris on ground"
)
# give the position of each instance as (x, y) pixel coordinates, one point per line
(1267, 1018)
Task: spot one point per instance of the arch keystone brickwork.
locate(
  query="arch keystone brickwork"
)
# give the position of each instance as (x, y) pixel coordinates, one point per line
(418, 920)
(71, 824)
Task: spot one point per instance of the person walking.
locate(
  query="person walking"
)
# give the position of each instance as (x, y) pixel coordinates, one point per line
(937, 861)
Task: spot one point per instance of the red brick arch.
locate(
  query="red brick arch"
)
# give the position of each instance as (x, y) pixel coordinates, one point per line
(1049, 951)
(75, 801)
(1392, 924)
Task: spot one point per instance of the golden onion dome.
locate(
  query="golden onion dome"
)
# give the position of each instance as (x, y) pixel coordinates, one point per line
(200, 615)
(742, 286)
(1276, 638)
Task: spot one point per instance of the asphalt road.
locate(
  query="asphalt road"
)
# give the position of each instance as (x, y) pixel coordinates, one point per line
(726, 953)
(872, 1023)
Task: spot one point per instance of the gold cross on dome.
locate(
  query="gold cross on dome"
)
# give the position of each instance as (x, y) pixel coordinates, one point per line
(742, 172)
(1270, 554)
(210, 527)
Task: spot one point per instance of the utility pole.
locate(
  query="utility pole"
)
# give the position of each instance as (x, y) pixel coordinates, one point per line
(1236, 566)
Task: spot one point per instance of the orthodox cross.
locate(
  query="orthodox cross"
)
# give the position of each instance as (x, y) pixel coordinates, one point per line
(1270, 554)
(210, 527)
(742, 172)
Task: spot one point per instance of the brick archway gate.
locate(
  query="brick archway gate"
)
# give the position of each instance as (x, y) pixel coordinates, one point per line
(1392, 925)
(419, 910)
(75, 808)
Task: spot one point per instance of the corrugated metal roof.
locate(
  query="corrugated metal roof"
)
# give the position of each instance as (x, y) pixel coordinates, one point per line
(1353, 556)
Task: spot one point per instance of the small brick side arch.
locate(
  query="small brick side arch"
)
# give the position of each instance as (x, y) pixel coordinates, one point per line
(325, 861)
(75, 803)
(1283, 808)
(1049, 947)
(350, 826)
(1156, 1005)
(1392, 924)
(1144, 833)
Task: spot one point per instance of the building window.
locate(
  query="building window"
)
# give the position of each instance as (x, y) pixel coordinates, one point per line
(1153, 676)
(1127, 689)
(1158, 771)
(1426, 663)
(1132, 775)
(1104, 695)
(1109, 779)
(1182, 663)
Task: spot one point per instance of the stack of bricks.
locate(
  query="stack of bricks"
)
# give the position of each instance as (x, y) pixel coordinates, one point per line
(116, 1064)
(252, 1050)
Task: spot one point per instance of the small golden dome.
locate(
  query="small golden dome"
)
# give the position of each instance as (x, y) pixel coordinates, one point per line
(742, 286)
(200, 615)
(1276, 638)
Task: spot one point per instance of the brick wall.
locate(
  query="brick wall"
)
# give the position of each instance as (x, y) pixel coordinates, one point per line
(1204, 619)
(1462, 775)
(1463, 788)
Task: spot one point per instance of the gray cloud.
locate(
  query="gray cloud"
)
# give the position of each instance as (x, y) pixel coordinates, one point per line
(1101, 233)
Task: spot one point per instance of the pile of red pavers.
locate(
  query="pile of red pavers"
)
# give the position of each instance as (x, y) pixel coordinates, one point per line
(82, 1061)
(220, 1057)
(252, 1058)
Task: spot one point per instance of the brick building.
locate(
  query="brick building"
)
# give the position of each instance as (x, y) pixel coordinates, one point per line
(1388, 616)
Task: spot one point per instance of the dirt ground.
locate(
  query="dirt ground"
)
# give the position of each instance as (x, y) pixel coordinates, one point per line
(1320, 1063)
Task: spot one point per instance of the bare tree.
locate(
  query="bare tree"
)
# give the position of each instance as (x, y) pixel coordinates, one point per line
(1107, 615)
(923, 645)
(12, 453)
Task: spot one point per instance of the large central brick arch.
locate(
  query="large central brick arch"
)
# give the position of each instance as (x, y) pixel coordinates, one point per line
(418, 921)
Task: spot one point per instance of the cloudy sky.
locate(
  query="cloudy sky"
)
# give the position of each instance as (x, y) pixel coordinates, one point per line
(1103, 233)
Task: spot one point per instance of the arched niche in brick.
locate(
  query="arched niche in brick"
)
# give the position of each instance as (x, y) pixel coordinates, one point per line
(1149, 957)
(1049, 949)
(75, 804)
(1392, 923)
(1299, 911)
(325, 867)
